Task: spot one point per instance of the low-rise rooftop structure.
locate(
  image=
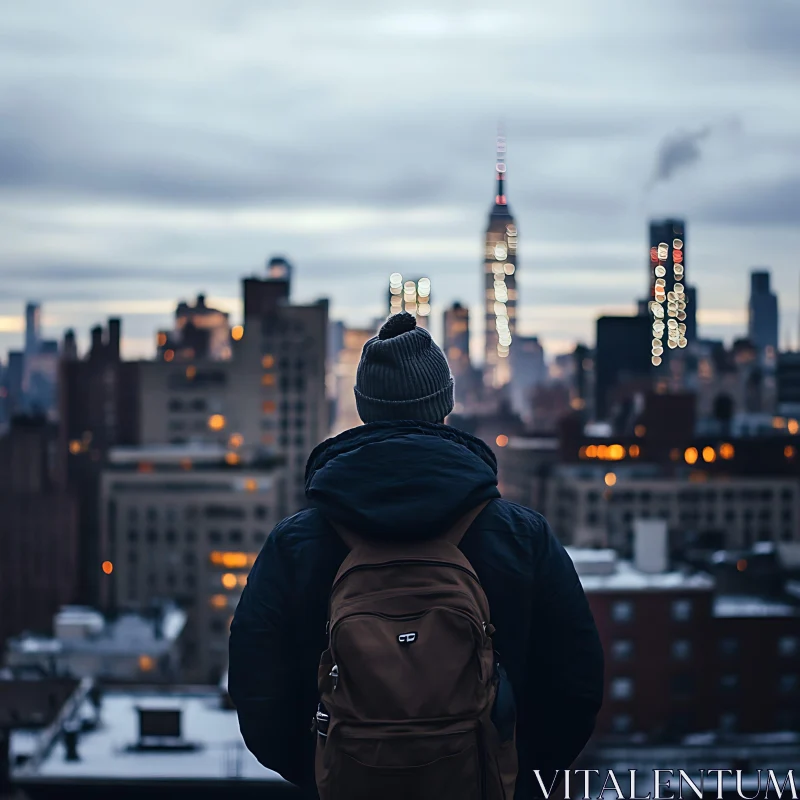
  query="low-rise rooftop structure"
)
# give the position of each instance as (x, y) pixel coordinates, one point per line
(131, 646)
(136, 739)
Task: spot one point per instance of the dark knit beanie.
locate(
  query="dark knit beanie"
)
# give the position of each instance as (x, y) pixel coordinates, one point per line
(403, 375)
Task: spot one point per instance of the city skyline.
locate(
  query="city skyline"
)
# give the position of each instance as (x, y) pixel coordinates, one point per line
(137, 173)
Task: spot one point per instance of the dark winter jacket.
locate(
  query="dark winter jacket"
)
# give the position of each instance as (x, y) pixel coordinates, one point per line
(412, 480)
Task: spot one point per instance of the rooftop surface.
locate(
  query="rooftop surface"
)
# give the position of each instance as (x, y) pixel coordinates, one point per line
(603, 571)
(105, 752)
(747, 606)
(130, 633)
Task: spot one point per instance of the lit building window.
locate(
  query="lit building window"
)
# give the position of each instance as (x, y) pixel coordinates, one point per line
(788, 646)
(232, 560)
(216, 422)
(229, 580)
(622, 611)
(621, 723)
(682, 610)
(729, 682)
(728, 721)
(726, 451)
(146, 663)
(622, 688)
(622, 649)
(787, 684)
(729, 646)
(681, 649)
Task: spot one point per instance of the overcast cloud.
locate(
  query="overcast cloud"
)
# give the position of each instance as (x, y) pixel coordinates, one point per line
(152, 151)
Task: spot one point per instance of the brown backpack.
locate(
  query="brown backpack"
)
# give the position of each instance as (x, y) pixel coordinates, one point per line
(409, 684)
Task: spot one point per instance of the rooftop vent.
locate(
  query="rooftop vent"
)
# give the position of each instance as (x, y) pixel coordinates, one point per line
(77, 622)
(70, 733)
(160, 728)
(650, 545)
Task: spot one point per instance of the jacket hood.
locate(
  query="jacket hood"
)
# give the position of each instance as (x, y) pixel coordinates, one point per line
(400, 479)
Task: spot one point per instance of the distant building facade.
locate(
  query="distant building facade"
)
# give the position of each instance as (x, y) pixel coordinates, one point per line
(622, 364)
(730, 512)
(680, 657)
(345, 369)
(99, 409)
(269, 398)
(185, 524)
(39, 552)
(200, 332)
(528, 371)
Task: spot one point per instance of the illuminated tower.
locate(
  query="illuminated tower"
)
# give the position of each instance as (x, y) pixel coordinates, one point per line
(412, 295)
(500, 281)
(668, 293)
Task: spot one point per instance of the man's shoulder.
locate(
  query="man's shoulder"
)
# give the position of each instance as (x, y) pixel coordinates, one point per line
(518, 519)
(301, 527)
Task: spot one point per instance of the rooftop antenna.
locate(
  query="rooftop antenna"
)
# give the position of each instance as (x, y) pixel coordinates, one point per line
(500, 167)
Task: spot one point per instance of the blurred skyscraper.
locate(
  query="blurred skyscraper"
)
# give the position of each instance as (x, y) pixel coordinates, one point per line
(200, 332)
(344, 369)
(528, 370)
(38, 529)
(13, 382)
(36, 391)
(763, 317)
(622, 361)
(456, 339)
(99, 409)
(33, 328)
(669, 289)
(500, 281)
(412, 295)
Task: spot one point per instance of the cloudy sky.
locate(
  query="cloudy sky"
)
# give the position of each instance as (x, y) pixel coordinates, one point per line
(153, 150)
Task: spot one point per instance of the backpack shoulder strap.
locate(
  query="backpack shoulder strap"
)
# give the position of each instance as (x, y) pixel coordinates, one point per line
(352, 540)
(454, 535)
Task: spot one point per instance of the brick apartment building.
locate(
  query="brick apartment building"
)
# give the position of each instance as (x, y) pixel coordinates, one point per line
(682, 658)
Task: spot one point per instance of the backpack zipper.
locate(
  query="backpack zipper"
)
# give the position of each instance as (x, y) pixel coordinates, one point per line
(394, 562)
(400, 618)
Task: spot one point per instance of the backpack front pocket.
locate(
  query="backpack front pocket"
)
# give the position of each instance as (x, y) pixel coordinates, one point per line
(454, 770)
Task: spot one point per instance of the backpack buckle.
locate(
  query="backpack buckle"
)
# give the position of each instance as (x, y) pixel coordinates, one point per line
(322, 719)
(334, 673)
